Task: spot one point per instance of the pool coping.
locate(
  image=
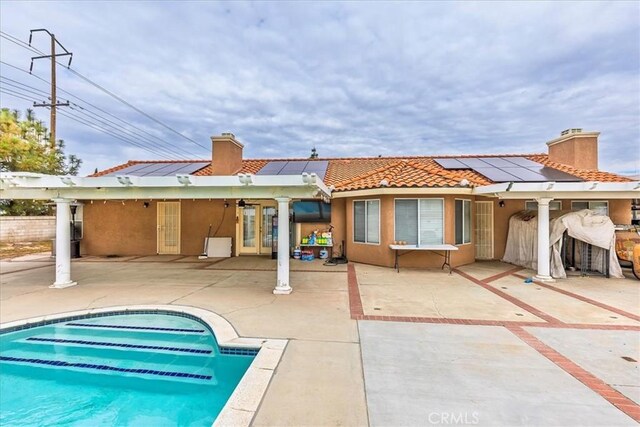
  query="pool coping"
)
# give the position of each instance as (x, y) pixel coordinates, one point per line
(242, 405)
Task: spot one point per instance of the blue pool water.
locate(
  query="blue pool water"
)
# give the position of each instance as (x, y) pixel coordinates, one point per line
(132, 369)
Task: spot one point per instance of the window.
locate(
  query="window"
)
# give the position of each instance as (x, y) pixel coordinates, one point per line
(532, 205)
(419, 221)
(601, 207)
(463, 221)
(366, 221)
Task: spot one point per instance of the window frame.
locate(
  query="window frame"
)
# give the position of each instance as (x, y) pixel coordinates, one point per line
(418, 216)
(470, 222)
(366, 221)
(588, 202)
(536, 202)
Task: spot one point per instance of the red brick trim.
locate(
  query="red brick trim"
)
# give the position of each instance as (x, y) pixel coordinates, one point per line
(523, 305)
(503, 274)
(584, 299)
(355, 302)
(607, 392)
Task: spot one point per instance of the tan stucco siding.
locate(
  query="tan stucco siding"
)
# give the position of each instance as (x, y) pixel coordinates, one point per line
(380, 254)
(115, 229)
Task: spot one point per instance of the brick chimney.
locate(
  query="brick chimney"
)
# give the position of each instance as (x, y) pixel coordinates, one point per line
(226, 156)
(575, 148)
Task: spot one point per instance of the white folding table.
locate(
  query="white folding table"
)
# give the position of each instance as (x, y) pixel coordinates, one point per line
(442, 250)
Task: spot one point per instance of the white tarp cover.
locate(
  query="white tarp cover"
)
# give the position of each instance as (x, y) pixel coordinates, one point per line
(587, 226)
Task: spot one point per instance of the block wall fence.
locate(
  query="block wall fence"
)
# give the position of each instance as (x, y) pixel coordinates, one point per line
(27, 228)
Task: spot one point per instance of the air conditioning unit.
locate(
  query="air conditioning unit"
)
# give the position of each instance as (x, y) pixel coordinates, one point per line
(218, 247)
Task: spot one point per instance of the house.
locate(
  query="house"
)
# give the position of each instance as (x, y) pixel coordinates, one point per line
(167, 207)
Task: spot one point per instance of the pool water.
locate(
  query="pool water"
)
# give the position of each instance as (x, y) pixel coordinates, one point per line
(132, 369)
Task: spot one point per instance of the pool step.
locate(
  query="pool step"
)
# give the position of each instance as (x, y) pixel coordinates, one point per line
(105, 375)
(68, 330)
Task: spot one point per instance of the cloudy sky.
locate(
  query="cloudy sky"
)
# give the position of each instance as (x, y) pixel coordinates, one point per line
(351, 79)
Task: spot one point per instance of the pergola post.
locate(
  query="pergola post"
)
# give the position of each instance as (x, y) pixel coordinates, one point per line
(282, 281)
(544, 256)
(63, 244)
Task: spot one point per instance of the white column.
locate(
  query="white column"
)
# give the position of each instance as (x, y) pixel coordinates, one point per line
(282, 283)
(544, 256)
(63, 244)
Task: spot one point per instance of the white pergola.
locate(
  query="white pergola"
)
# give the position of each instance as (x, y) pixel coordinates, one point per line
(63, 190)
(545, 192)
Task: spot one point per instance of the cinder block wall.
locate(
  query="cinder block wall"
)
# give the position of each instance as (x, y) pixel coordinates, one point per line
(27, 228)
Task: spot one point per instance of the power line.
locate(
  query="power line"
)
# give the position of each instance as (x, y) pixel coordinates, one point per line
(156, 140)
(14, 94)
(108, 92)
(111, 123)
(22, 84)
(108, 132)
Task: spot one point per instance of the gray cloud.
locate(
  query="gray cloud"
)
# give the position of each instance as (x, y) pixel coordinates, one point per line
(350, 78)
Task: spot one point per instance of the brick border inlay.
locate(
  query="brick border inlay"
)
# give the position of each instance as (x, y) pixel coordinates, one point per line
(584, 299)
(607, 392)
(355, 302)
(503, 274)
(523, 305)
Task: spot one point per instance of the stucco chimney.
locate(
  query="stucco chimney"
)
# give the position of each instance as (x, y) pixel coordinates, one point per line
(226, 158)
(575, 148)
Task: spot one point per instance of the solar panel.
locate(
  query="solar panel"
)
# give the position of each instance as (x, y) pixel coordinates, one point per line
(496, 175)
(474, 163)
(318, 167)
(525, 174)
(521, 161)
(555, 175)
(294, 168)
(160, 169)
(272, 168)
(497, 162)
(451, 163)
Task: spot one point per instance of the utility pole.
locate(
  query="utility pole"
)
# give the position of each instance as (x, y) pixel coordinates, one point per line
(53, 104)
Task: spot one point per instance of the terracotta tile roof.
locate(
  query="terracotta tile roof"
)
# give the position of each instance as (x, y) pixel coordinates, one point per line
(359, 173)
(587, 175)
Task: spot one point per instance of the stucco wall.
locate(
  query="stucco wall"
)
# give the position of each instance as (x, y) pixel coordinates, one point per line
(27, 228)
(130, 229)
(380, 254)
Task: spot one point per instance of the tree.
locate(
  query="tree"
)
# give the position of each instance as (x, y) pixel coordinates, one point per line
(24, 148)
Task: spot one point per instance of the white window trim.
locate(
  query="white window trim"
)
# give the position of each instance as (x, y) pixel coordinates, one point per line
(366, 221)
(420, 198)
(535, 201)
(470, 222)
(588, 202)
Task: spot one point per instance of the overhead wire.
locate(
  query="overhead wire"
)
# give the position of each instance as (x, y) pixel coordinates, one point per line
(18, 42)
(156, 141)
(15, 94)
(22, 44)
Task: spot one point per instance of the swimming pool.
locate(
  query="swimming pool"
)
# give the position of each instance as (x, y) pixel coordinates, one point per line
(127, 369)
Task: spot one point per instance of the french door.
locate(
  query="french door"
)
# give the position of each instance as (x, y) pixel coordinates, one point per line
(255, 228)
(168, 227)
(484, 230)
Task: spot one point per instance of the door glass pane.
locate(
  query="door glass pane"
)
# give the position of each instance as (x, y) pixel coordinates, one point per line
(373, 221)
(406, 215)
(431, 216)
(249, 226)
(467, 221)
(268, 213)
(459, 225)
(359, 221)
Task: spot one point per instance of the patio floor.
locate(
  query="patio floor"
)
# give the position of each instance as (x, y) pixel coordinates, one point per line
(352, 329)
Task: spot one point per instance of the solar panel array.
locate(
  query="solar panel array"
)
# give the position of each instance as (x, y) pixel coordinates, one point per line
(507, 169)
(295, 167)
(160, 169)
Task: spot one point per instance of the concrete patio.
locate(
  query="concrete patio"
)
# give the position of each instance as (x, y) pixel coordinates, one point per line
(372, 346)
